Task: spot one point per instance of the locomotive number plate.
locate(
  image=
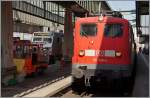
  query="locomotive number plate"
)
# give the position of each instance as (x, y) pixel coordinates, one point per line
(110, 53)
(89, 52)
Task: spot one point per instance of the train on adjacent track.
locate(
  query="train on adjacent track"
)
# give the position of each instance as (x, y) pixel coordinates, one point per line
(34, 56)
(50, 42)
(29, 58)
(104, 48)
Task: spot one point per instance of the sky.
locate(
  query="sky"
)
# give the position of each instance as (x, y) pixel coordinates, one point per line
(118, 5)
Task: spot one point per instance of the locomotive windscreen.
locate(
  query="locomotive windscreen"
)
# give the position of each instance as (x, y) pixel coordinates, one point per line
(113, 30)
(88, 29)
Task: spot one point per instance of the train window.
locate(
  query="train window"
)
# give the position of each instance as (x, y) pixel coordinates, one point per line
(49, 40)
(113, 30)
(18, 52)
(88, 30)
(37, 39)
(58, 40)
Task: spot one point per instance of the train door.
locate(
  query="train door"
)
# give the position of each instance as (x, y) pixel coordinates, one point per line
(34, 55)
(22, 56)
(18, 59)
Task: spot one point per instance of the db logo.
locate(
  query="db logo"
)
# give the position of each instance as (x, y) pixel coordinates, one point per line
(100, 53)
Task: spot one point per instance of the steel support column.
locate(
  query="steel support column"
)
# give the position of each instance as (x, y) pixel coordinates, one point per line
(58, 13)
(68, 34)
(7, 65)
(138, 19)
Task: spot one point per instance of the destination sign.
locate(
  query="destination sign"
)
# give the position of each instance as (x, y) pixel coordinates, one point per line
(42, 34)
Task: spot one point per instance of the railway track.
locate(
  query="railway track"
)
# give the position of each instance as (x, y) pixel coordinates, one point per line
(47, 89)
(61, 87)
(68, 92)
(104, 91)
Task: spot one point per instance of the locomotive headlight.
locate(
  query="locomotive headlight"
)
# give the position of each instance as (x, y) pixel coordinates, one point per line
(81, 52)
(118, 53)
(100, 18)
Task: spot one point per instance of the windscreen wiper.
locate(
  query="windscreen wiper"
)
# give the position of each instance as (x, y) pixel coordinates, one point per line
(84, 34)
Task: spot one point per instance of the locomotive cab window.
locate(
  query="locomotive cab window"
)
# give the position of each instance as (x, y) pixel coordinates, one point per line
(113, 30)
(88, 29)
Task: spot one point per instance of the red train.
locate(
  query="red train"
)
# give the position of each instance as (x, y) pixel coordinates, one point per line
(29, 58)
(104, 48)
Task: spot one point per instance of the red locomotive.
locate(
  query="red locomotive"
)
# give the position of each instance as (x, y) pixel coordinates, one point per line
(104, 47)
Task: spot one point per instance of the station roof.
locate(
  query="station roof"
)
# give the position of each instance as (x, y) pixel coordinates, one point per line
(107, 5)
(73, 6)
(77, 8)
(142, 8)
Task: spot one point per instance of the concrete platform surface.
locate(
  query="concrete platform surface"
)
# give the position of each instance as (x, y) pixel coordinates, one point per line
(141, 86)
(51, 89)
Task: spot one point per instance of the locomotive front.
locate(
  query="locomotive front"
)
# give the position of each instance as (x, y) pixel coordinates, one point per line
(102, 48)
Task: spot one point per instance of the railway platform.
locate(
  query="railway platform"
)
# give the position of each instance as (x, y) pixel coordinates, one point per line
(141, 85)
(53, 72)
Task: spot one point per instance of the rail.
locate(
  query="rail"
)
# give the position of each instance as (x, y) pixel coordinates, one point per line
(47, 89)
